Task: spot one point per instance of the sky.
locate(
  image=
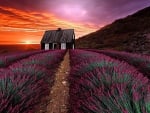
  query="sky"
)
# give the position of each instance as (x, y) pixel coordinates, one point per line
(25, 21)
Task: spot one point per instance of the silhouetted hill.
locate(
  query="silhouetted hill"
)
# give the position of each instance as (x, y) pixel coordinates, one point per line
(130, 34)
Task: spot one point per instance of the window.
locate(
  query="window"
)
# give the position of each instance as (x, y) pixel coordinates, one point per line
(46, 46)
(63, 45)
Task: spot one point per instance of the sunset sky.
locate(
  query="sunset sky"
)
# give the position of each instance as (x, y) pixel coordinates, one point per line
(24, 21)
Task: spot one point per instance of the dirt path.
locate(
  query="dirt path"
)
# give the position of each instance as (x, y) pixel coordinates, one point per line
(60, 91)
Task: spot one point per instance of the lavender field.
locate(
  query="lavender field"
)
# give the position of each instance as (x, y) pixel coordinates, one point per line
(24, 81)
(109, 82)
(100, 81)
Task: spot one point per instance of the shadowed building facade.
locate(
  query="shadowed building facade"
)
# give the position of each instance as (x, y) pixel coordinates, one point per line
(58, 39)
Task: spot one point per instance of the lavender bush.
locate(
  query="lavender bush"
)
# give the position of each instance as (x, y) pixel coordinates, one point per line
(106, 86)
(141, 62)
(24, 83)
(6, 60)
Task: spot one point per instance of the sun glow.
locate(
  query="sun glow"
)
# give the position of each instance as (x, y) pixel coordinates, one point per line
(27, 42)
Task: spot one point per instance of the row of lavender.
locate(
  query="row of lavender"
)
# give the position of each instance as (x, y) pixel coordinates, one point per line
(100, 84)
(6, 60)
(141, 62)
(24, 83)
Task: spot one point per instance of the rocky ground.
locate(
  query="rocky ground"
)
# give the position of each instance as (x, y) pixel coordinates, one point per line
(139, 44)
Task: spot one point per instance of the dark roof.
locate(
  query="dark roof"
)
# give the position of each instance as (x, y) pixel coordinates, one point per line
(58, 36)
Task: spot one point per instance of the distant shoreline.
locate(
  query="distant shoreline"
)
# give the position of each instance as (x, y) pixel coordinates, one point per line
(6, 48)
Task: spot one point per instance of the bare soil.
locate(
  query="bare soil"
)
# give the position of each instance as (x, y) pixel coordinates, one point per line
(58, 98)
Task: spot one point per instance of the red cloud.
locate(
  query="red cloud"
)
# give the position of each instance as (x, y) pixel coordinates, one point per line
(19, 26)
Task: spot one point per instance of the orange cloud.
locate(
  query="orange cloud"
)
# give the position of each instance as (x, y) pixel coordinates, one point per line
(18, 26)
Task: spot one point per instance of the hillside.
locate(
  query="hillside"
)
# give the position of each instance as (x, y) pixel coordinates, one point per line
(131, 33)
